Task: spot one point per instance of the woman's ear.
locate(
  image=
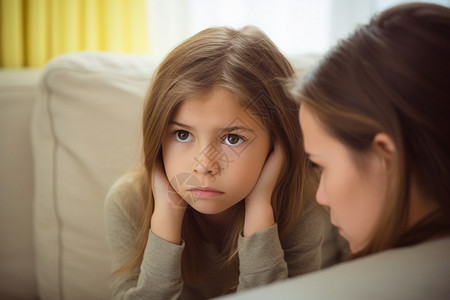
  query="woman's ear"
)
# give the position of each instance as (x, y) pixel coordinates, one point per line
(384, 146)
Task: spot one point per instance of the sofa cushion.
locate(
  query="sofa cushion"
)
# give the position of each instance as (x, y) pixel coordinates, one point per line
(86, 128)
(415, 272)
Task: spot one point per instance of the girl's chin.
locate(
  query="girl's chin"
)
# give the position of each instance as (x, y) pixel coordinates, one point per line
(208, 211)
(208, 207)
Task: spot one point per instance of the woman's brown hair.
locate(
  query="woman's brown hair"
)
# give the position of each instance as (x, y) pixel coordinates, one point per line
(393, 75)
(247, 64)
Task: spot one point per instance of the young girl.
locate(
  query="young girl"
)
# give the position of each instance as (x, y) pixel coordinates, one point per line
(375, 119)
(223, 201)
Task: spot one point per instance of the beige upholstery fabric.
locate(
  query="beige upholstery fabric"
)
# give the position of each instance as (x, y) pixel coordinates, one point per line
(17, 93)
(417, 272)
(86, 127)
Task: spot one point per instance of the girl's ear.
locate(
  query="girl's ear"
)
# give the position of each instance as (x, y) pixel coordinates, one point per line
(384, 146)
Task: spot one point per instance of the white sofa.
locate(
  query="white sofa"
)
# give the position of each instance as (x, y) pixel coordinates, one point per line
(67, 132)
(18, 89)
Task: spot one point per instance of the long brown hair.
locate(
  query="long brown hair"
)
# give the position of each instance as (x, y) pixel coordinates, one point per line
(249, 65)
(393, 75)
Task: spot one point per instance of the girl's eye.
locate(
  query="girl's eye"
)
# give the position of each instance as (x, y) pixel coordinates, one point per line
(233, 140)
(183, 136)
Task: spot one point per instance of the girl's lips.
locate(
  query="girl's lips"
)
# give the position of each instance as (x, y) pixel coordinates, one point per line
(205, 193)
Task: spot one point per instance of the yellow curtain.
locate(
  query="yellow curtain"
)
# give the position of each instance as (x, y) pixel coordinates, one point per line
(33, 31)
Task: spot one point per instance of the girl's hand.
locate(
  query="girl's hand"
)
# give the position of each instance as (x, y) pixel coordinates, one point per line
(169, 207)
(164, 195)
(258, 207)
(262, 191)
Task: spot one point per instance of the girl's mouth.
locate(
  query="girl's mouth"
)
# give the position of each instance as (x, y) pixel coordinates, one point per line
(205, 192)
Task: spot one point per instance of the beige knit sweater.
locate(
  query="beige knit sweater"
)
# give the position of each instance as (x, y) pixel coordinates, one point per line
(263, 257)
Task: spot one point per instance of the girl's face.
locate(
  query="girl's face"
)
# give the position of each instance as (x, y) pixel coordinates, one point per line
(355, 194)
(214, 150)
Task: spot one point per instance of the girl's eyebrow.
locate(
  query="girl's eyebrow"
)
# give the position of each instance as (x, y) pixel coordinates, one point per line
(227, 129)
(236, 128)
(180, 124)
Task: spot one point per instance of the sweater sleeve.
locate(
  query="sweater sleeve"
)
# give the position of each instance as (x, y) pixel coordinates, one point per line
(261, 259)
(264, 259)
(159, 275)
(303, 245)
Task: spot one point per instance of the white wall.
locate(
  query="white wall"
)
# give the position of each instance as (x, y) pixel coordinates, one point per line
(295, 26)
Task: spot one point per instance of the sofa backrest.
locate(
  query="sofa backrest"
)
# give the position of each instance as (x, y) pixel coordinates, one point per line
(85, 134)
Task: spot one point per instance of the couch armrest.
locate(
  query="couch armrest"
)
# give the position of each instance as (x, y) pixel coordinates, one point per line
(18, 89)
(86, 129)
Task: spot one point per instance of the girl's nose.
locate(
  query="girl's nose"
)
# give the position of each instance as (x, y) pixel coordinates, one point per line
(206, 162)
